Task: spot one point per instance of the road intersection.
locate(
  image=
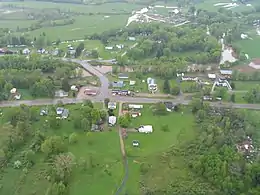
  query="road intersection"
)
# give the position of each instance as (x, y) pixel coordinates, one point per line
(105, 93)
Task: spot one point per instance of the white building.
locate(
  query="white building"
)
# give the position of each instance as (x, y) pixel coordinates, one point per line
(112, 120)
(108, 48)
(135, 106)
(145, 129)
(111, 105)
(152, 86)
(212, 76)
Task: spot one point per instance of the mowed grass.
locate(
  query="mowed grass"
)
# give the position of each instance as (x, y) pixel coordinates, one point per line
(245, 85)
(180, 129)
(102, 147)
(250, 47)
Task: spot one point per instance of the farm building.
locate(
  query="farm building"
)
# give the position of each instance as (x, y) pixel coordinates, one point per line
(255, 63)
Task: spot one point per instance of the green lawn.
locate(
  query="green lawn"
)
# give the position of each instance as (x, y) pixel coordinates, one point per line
(251, 47)
(245, 85)
(180, 129)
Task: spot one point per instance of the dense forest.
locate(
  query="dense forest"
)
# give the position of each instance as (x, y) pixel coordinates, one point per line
(222, 159)
(43, 76)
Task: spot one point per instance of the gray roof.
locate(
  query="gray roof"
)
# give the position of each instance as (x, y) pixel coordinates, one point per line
(228, 72)
(65, 113)
(122, 75)
(118, 84)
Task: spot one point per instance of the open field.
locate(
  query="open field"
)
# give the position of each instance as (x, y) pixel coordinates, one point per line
(88, 19)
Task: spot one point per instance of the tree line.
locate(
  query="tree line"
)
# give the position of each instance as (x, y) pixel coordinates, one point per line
(43, 75)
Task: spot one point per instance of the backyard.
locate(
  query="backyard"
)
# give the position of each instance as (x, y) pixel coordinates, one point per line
(180, 130)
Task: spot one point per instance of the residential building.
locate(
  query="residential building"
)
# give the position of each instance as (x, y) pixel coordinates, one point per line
(226, 73)
(152, 86)
(59, 110)
(120, 46)
(65, 114)
(111, 105)
(61, 93)
(131, 38)
(44, 111)
(112, 120)
(118, 84)
(108, 48)
(26, 51)
(145, 129)
(212, 76)
(189, 78)
(131, 83)
(169, 106)
(122, 76)
(135, 106)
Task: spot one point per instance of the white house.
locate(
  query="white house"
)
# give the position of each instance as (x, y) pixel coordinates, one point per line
(112, 120)
(131, 38)
(152, 86)
(212, 76)
(132, 83)
(26, 51)
(108, 48)
(145, 129)
(135, 106)
(13, 90)
(120, 46)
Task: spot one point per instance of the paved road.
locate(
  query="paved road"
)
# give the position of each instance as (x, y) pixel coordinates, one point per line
(104, 92)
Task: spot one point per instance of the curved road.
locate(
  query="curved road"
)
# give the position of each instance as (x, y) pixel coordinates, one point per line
(104, 93)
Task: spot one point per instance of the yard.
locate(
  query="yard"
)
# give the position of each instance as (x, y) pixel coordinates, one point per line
(245, 85)
(180, 130)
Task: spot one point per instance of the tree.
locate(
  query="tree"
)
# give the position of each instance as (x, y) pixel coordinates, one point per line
(103, 115)
(63, 166)
(53, 145)
(65, 84)
(124, 121)
(159, 109)
(95, 115)
(57, 189)
(106, 101)
(73, 138)
(165, 128)
(233, 98)
(79, 49)
(85, 124)
(175, 90)
(166, 86)
(94, 53)
(88, 103)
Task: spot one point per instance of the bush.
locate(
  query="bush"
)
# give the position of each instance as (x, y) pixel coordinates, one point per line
(73, 138)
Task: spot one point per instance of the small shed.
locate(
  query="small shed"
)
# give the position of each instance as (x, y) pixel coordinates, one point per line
(118, 84)
(226, 72)
(59, 110)
(131, 38)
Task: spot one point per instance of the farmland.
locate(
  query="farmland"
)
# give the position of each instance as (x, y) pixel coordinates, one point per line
(67, 21)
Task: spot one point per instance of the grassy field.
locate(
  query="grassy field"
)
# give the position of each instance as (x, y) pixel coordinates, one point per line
(245, 85)
(89, 19)
(251, 47)
(84, 25)
(105, 152)
(180, 129)
(102, 147)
